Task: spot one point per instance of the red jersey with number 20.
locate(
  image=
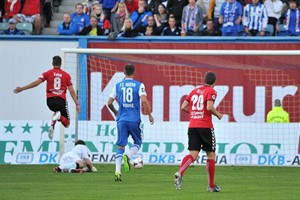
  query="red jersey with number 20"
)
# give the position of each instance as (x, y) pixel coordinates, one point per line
(199, 116)
(57, 82)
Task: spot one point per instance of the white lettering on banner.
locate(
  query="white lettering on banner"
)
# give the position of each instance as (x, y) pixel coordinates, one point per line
(176, 93)
(157, 107)
(279, 92)
(258, 115)
(99, 98)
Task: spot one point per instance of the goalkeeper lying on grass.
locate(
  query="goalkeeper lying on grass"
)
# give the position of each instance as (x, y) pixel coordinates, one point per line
(73, 161)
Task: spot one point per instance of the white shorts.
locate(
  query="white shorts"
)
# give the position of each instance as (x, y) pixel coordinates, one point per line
(25, 18)
(68, 161)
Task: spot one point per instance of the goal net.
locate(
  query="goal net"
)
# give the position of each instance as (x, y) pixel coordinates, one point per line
(247, 84)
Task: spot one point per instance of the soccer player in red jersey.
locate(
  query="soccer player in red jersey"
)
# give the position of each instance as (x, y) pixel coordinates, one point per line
(58, 82)
(200, 106)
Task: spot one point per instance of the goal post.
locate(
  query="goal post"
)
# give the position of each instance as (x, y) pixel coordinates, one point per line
(248, 81)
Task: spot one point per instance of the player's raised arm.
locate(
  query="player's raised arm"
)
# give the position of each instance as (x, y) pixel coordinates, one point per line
(29, 86)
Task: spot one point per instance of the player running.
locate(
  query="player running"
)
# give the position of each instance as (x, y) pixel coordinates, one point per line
(200, 106)
(129, 92)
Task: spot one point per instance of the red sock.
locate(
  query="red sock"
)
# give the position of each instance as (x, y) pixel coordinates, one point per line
(65, 121)
(210, 169)
(185, 163)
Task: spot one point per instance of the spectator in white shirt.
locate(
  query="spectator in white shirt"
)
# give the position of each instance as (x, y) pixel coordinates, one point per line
(274, 8)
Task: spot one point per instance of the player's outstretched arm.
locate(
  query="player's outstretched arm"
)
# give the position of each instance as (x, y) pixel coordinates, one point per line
(74, 97)
(29, 86)
(147, 107)
(210, 107)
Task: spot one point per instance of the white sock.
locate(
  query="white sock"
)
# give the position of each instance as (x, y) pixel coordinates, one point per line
(133, 150)
(119, 163)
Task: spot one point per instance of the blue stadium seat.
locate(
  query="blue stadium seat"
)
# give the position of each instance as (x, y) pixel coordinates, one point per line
(270, 30)
(26, 27)
(283, 31)
(4, 26)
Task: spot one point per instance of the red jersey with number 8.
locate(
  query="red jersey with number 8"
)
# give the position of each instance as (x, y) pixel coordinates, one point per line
(57, 82)
(199, 116)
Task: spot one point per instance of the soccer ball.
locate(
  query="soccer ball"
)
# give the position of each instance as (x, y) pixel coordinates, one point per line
(138, 163)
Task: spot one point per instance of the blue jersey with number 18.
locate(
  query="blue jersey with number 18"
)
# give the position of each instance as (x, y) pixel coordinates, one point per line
(128, 93)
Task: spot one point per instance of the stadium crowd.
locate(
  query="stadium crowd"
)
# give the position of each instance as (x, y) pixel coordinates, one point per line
(130, 18)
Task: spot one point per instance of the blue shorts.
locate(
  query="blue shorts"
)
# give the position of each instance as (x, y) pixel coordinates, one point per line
(129, 128)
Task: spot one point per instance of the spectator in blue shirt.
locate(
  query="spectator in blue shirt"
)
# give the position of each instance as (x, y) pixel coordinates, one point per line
(67, 27)
(292, 19)
(255, 18)
(230, 17)
(12, 30)
(79, 19)
(109, 7)
(140, 16)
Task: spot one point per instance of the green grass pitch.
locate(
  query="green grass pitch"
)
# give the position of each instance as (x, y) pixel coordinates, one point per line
(151, 182)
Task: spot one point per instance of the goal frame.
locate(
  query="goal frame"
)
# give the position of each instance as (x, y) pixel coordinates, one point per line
(155, 52)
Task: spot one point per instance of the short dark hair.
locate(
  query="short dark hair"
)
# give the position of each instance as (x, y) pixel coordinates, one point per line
(277, 103)
(79, 4)
(56, 61)
(210, 78)
(171, 17)
(79, 142)
(129, 69)
(209, 20)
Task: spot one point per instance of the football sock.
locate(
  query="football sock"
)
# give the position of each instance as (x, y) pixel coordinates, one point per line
(185, 163)
(210, 169)
(65, 121)
(119, 158)
(133, 150)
